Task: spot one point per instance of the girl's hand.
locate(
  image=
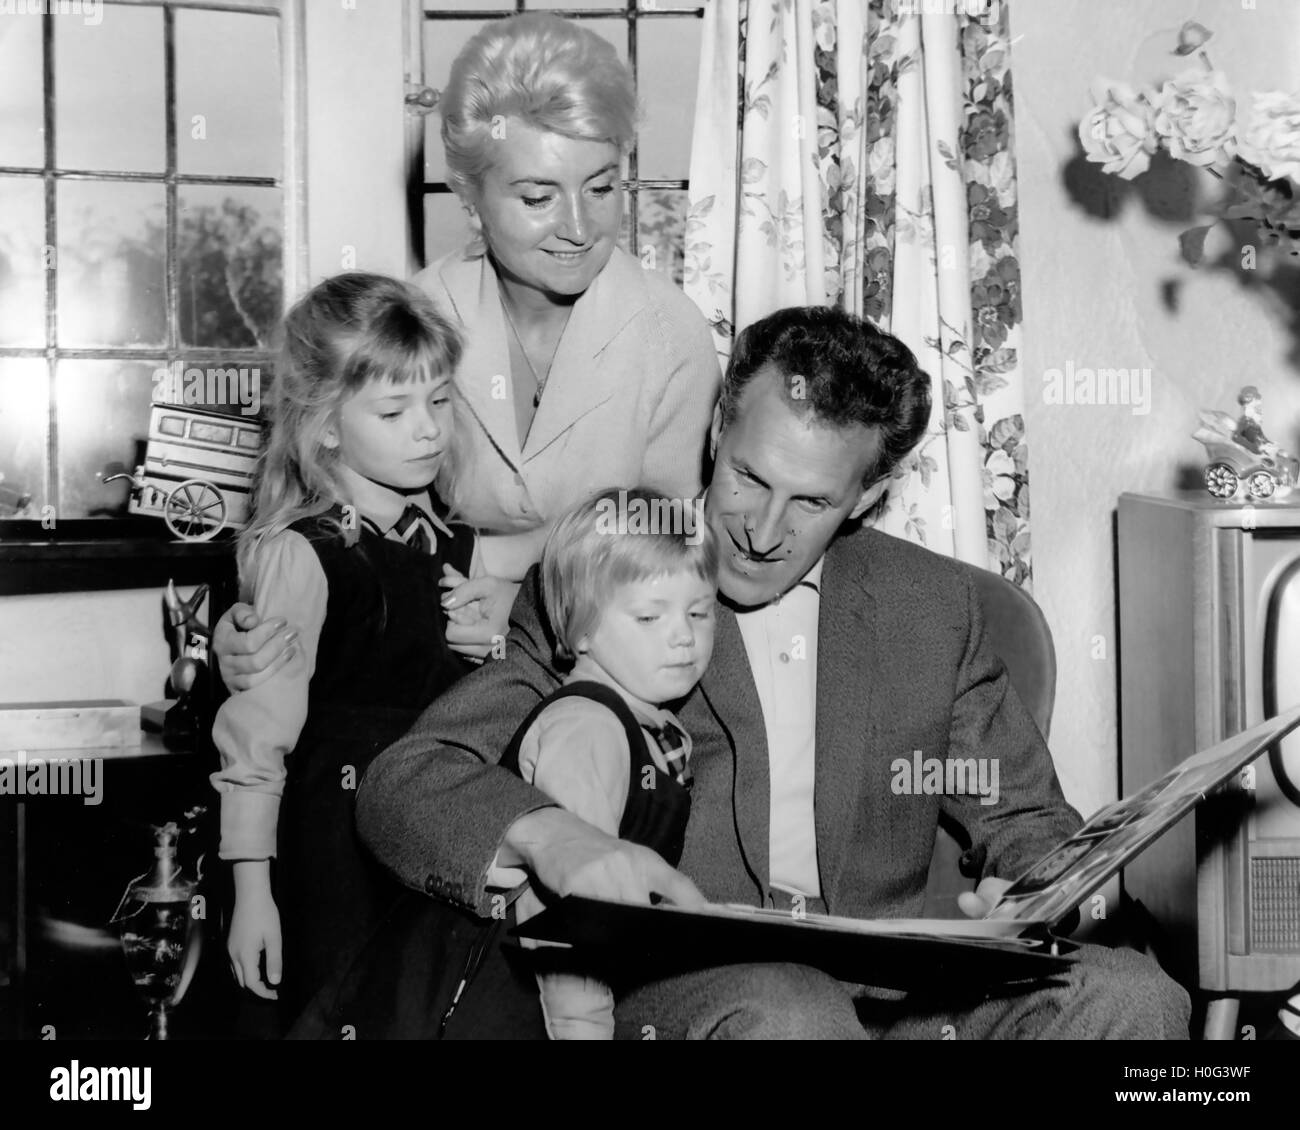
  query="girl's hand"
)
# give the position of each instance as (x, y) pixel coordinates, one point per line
(478, 611)
(254, 930)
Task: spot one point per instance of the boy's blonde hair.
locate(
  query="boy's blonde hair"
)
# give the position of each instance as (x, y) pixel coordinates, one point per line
(618, 537)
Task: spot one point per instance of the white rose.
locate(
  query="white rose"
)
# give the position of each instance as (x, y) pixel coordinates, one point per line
(1272, 137)
(1196, 116)
(1118, 135)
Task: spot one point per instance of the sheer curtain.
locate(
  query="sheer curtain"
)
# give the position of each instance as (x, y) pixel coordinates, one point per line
(861, 155)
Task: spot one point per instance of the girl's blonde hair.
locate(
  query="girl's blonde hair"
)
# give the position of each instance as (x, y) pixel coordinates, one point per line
(547, 71)
(345, 332)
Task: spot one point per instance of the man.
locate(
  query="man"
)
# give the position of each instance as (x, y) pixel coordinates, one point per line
(835, 654)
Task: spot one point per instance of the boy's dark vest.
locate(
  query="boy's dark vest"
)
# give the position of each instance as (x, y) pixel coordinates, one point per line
(657, 807)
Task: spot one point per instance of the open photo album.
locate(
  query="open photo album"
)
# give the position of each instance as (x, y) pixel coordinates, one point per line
(1014, 941)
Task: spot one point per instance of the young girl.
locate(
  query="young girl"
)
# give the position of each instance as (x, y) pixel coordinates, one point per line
(349, 543)
(631, 602)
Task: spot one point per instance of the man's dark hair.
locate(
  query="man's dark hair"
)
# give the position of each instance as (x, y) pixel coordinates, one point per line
(852, 373)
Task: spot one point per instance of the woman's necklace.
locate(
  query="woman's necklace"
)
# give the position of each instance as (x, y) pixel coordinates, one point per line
(540, 382)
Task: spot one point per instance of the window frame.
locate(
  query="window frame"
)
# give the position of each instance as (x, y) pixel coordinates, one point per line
(294, 266)
(633, 184)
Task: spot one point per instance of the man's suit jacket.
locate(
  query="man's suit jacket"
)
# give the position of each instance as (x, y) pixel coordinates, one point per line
(628, 402)
(902, 665)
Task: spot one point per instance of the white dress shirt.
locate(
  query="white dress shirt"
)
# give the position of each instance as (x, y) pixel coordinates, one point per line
(781, 642)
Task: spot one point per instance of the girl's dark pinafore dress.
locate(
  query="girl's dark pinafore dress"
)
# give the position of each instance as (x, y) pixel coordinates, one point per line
(382, 658)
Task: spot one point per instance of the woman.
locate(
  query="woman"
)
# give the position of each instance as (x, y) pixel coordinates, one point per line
(581, 369)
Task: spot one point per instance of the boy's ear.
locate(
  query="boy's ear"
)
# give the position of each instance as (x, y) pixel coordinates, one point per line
(715, 430)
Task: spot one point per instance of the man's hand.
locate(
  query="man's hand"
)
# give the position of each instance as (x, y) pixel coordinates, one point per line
(977, 903)
(478, 611)
(571, 857)
(249, 652)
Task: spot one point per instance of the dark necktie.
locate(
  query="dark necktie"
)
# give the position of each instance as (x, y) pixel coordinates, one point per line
(673, 745)
(413, 528)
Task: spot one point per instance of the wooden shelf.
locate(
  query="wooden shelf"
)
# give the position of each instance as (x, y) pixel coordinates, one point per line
(96, 556)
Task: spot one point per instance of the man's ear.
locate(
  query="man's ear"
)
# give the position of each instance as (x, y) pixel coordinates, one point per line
(715, 430)
(870, 497)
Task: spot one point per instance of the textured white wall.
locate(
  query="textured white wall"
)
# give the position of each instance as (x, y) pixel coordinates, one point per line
(1093, 296)
(83, 645)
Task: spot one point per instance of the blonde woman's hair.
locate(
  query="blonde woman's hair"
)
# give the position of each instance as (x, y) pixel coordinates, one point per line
(548, 72)
(345, 332)
(614, 538)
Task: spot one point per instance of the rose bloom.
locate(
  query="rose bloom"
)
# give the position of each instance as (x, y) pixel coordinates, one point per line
(1118, 135)
(1272, 138)
(999, 478)
(1196, 115)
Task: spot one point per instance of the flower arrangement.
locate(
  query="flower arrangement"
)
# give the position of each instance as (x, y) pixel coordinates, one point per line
(1194, 117)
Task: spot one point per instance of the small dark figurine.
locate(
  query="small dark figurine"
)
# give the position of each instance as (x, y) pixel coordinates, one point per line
(1243, 460)
(1250, 424)
(187, 682)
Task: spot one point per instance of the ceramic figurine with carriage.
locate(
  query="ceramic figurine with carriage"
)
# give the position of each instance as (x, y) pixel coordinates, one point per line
(197, 471)
(1244, 464)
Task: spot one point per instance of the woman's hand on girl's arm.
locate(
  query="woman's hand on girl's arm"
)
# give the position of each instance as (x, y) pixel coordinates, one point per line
(249, 651)
(478, 611)
(255, 929)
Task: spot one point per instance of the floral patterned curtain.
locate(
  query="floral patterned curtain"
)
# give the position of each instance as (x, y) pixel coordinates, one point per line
(871, 166)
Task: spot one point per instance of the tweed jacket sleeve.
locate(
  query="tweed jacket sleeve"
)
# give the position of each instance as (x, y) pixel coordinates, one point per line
(990, 722)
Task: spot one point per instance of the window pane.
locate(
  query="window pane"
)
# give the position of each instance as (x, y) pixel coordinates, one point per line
(443, 40)
(446, 226)
(505, 7)
(22, 119)
(661, 229)
(606, 4)
(230, 247)
(668, 54)
(613, 30)
(110, 262)
(109, 100)
(22, 261)
(24, 423)
(228, 93)
(103, 417)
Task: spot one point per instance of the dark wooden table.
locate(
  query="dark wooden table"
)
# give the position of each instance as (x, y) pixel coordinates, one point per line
(66, 864)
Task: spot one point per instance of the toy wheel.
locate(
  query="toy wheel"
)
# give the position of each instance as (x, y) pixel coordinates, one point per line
(1261, 485)
(195, 511)
(1221, 480)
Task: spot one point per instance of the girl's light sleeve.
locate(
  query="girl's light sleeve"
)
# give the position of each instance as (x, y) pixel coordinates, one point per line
(255, 730)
